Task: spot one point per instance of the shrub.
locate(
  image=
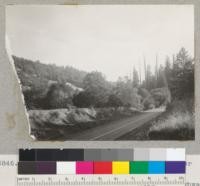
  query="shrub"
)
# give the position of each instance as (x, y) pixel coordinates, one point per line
(149, 103)
(114, 101)
(178, 123)
(83, 99)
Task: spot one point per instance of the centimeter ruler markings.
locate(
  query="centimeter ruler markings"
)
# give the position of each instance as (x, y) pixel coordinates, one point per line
(111, 180)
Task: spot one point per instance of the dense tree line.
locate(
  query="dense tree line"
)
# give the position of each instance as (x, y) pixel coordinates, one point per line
(44, 86)
(173, 80)
(180, 75)
(45, 72)
(38, 82)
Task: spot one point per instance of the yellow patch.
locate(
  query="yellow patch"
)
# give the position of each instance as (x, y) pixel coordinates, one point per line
(120, 167)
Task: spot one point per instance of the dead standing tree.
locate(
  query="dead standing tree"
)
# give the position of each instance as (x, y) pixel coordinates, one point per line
(145, 72)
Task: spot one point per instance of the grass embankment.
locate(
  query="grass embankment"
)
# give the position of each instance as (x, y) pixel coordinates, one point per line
(177, 123)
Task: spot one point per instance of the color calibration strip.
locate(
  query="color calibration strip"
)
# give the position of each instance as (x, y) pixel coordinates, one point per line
(102, 161)
(102, 167)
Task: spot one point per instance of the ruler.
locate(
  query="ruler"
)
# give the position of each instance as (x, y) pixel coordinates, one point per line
(94, 180)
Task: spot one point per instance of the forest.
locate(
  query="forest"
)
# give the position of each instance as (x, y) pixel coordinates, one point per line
(47, 86)
(50, 87)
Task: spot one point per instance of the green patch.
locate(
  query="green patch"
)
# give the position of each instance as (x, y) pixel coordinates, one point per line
(139, 167)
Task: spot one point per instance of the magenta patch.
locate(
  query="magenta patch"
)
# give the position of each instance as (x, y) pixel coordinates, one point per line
(84, 167)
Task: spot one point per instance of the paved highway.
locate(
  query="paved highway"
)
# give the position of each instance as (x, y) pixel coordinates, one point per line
(115, 129)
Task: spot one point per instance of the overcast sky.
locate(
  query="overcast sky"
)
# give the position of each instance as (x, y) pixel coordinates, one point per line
(108, 38)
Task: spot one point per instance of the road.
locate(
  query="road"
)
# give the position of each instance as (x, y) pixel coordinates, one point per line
(115, 129)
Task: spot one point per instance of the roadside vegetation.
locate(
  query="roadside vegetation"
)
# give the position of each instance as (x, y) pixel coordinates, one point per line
(61, 124)
(59, 96)
(47, 86)
(177, 123)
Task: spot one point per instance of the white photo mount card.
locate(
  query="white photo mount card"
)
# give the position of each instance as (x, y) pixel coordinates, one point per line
(8, 169)
(93, 74)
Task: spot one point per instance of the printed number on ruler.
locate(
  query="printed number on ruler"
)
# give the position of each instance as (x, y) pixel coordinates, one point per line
(111, 180)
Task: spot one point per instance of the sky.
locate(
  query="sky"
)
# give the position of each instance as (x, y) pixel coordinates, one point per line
(111, 39)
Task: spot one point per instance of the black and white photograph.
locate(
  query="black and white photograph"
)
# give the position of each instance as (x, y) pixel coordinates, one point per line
(105, 72)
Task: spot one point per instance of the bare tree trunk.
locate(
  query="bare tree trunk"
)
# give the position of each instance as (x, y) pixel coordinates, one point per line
(140, 72)
(156, 70)
(133, 73)
(145, 72)
(173, 60)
